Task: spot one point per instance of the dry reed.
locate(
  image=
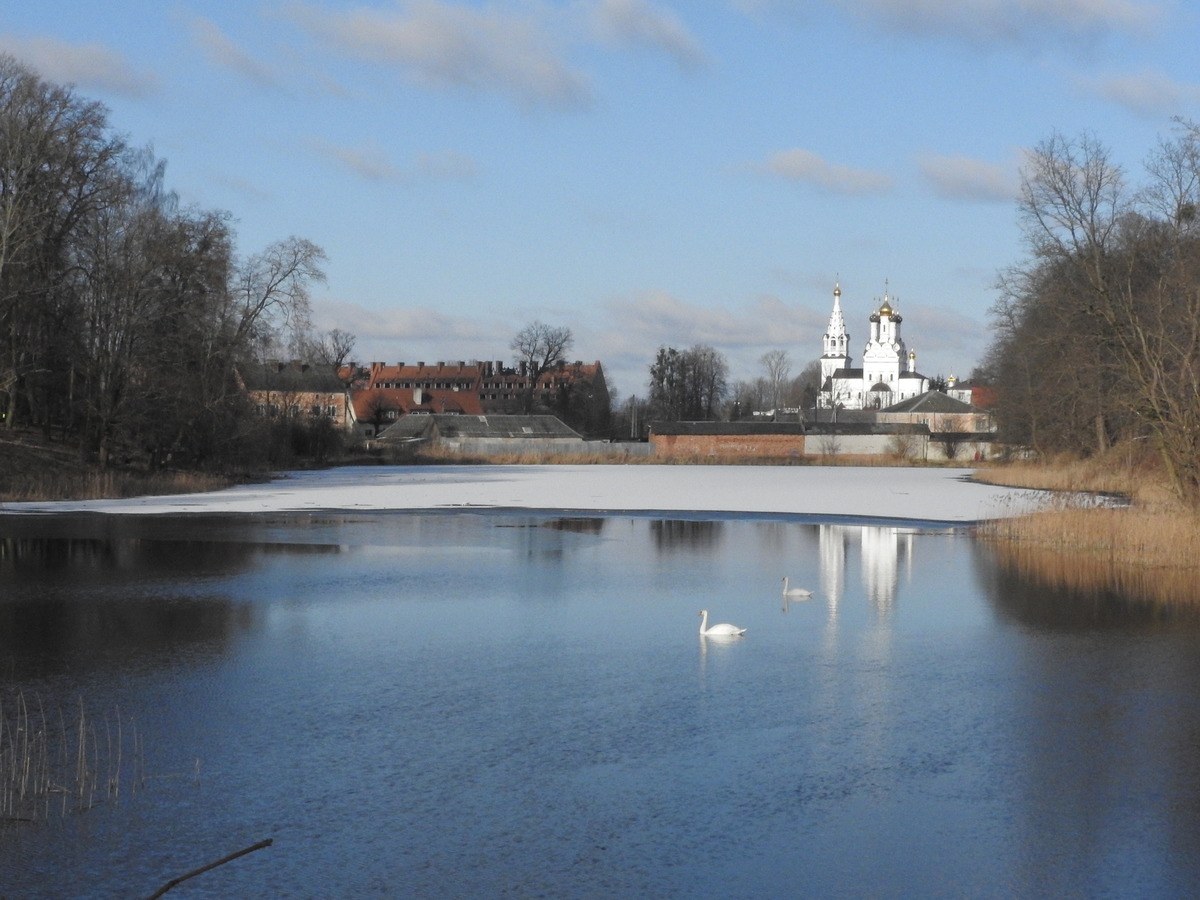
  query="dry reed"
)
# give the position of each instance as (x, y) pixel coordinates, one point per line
(105, 484)
(445, 456)
(1146, 547)
(51, 764)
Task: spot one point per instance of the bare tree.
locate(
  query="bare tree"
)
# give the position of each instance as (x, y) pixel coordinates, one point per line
(778, 367)
(749, 397)
(120, 314)
(55, 153)
(711, 372)
(333, 348)
(1102, 325)
(806, 387)
(1072, 198)
(688, 384)
(1173, 193)
(537, 346)
(270, 293)
(379, 413)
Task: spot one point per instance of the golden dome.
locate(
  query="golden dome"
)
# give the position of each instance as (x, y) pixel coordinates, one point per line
(886, 309)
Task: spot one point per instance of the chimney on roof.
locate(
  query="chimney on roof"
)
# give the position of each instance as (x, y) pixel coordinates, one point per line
(461, 363)
(400, 365)
(421, 364)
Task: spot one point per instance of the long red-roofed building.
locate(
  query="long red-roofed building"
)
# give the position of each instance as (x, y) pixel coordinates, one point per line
(382, 393)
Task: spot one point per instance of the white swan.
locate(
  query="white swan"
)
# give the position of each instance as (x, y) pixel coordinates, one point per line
(722, 630)
(795, 593)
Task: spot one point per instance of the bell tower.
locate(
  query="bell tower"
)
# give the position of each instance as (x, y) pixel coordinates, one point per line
(835, 345)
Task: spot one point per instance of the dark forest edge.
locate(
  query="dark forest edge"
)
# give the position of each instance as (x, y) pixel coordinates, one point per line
(123, 313)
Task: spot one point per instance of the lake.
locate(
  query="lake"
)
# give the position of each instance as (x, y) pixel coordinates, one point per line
(488, 704)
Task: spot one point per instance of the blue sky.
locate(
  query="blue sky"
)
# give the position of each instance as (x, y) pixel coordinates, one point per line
(646, 172)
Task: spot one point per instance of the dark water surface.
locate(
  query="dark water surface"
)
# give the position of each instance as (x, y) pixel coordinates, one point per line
(487, 705)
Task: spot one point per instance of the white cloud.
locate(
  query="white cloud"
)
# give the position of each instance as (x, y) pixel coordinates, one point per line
(223, 52)
(638, 23)
(660, 318)
(626, 332)
(1011, 20)
(997, 21)
(809, 168)
(412, 333)
(446, 45)
(92, 67)
(946, 341)
(1146, 94)
(963, 178)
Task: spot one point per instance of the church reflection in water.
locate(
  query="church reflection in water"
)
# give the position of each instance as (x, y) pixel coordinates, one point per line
(882, 552)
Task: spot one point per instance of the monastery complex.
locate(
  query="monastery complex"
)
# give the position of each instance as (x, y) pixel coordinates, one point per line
(888, 374)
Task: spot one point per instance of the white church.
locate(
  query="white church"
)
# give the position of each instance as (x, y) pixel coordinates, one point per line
(888, 374)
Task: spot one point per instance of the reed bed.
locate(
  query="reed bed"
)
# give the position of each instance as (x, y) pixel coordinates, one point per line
(1113, 525)
(1118, 472)
(52, 763)
(105, 484)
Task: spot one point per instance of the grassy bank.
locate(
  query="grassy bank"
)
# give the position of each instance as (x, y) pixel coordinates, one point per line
(1148, 549)
(32, 468)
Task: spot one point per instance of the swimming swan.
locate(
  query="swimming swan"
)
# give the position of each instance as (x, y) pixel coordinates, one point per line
(795, 593)
(722, 630)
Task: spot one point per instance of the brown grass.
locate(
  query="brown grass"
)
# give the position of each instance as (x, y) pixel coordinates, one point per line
(443, 456)
(1137, 477)
(106, 484)
(32, 468)
(1146, 545)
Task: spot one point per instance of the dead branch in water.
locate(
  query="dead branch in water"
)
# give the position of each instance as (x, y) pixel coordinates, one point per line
(212, 865)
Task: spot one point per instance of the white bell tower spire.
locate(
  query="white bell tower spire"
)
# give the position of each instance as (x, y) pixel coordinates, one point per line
(835, 351)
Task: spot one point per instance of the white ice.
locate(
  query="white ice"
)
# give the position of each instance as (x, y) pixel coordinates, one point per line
(937, 495)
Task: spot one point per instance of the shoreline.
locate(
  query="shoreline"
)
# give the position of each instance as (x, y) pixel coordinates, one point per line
(889, 494)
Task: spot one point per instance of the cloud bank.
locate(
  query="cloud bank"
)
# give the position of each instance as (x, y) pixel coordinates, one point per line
(90, 67)
(441, 45)
(637, 23)
(1009, 22)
